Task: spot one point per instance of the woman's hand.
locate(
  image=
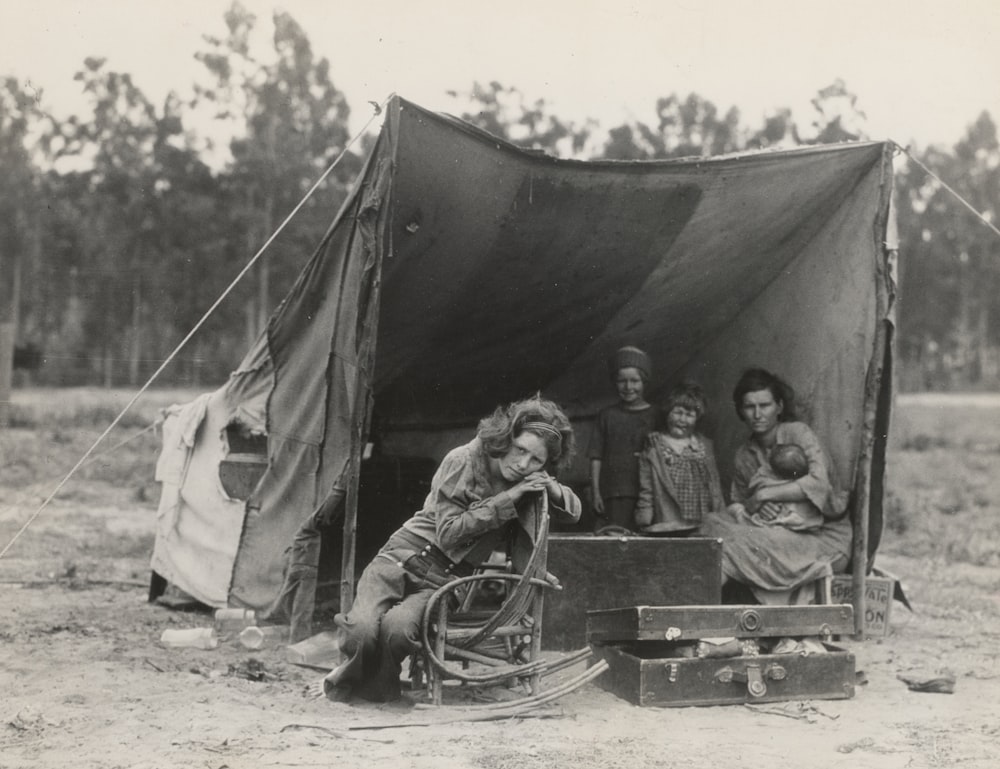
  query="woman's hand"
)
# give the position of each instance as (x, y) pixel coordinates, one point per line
(764, 499)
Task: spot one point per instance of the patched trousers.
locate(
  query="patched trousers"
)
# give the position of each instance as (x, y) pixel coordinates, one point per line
(383, 626)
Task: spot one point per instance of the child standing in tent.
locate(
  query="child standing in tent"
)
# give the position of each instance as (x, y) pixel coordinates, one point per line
(618, 438)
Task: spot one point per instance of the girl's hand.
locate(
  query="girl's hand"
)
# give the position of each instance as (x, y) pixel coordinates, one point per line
(534, 482)
(538, 481)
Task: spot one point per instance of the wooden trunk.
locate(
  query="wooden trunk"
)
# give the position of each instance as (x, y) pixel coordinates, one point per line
(649, 653)
(638, 675)
(687, 623)
(609, 572)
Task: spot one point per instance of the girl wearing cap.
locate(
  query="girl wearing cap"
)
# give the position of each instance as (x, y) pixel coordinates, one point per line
(476, 496)
(619, 435)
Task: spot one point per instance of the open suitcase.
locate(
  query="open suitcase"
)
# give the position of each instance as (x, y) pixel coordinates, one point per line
(651, 653)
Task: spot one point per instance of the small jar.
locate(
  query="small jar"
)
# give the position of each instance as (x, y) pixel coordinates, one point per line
(234, 620)
(255, 637)
(190, 638)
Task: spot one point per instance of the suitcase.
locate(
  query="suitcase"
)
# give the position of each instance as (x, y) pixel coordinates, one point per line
(650, 663)
(607, 572)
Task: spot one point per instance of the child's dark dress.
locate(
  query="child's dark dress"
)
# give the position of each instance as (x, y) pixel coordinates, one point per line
(618, 438)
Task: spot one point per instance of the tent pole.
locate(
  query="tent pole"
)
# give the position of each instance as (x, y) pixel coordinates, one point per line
(350, 534)
(873, 387)
(358, 432)
(859, 553)
(372, 212)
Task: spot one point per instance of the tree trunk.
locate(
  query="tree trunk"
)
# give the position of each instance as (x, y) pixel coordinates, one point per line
(196, 365)
(108, 367)
(250, 313)
(267, 227)
(263, 295)
(6, 370)
(136, 352)
(964, 327)
(9, 301)
(250, 322)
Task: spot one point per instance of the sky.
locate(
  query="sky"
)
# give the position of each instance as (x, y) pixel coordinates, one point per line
(922, 71)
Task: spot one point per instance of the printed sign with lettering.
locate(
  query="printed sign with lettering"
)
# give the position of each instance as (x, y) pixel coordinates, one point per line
(878, 601)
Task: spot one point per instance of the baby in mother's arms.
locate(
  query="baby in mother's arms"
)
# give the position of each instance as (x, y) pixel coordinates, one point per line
(786, 462)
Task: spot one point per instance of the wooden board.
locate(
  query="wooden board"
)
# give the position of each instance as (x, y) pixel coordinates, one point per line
(683, 623)
(610, 572)
(679, 682)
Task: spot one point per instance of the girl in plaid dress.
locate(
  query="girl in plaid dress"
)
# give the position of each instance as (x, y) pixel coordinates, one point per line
(678, 478)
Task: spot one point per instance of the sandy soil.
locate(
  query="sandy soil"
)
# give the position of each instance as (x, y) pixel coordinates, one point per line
(86, 683)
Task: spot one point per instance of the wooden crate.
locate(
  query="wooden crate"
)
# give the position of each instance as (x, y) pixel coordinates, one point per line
(878, 600)
(607, 572)
(648, 651)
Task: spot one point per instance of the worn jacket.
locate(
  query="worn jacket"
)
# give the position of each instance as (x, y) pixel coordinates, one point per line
(467, 510)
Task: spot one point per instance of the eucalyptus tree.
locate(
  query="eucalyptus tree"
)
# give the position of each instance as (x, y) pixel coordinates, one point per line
(112, 158)
(134, 193)
(949, 312)
(288, 122)
(837, 115)
(506, 112)
(18, 183)
(691, 126)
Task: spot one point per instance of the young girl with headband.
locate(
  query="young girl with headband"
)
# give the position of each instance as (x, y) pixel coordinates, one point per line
(475, 497)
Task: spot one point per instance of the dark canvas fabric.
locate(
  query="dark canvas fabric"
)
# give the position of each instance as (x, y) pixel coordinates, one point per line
(464, 273)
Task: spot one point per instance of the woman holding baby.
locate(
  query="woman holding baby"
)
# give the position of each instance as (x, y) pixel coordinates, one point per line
(786, 524)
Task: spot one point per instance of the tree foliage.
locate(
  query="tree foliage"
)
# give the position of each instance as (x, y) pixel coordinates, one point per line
(838, 117)
(126, 226)
(290, 123)
(949, 306)
(506, 112)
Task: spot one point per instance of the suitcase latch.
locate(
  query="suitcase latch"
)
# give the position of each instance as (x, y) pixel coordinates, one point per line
(751, 621)
(752, 676)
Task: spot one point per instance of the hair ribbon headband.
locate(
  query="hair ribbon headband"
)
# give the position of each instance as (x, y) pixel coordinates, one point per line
(545, 427)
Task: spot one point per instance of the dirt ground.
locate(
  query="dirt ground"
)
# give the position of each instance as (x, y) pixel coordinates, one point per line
(85, 681)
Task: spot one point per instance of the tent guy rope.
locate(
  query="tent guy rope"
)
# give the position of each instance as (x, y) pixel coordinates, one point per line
(93, 457)
(944, 184)
(249, 265)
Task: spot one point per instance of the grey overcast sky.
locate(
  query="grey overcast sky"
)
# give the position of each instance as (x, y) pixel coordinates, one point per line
(923, 71)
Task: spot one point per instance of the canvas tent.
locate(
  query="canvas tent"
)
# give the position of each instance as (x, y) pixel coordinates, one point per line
(464, 272)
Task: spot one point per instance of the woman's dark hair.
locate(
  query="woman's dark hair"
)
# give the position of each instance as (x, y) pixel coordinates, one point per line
(756, 379)
(497, 431)
(687, 394)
